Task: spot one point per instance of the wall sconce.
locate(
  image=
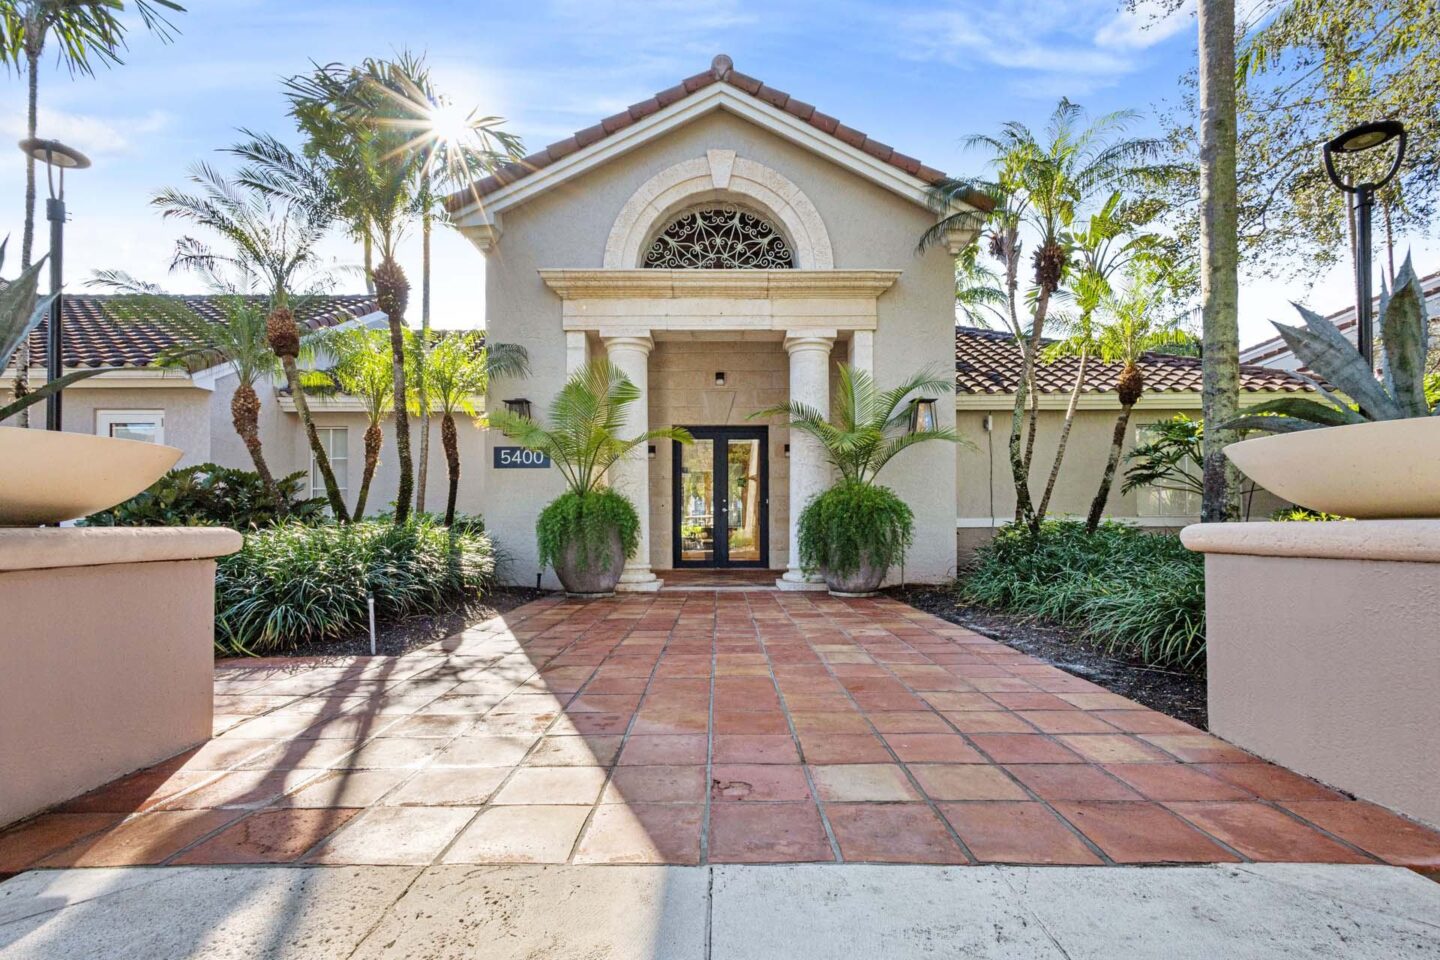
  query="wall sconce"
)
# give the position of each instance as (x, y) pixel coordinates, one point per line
(922, 414)
(787, 451)
(650, 451)
(719, 378)
(519, 407)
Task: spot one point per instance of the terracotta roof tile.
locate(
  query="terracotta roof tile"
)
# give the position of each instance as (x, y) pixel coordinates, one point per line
(722, 70)
(94, 338)
(988, 362)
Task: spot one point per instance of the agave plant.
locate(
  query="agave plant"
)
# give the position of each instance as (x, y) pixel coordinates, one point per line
(20, 313)
(1399, 395)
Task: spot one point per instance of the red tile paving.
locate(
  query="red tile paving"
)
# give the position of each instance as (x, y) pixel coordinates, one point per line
(752, 727)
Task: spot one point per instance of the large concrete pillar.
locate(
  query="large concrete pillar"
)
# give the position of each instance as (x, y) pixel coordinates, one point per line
(809, 471)
(631, 476)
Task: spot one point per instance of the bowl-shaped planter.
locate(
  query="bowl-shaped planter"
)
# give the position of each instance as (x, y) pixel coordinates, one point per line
(595, 575)
(49, 476)
(1386, 469)
(863, 581)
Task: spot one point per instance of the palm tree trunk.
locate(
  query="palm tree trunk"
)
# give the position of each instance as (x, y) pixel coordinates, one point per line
(369, 248)
(452, 464)
(1117, 443)
(245, 416)
(1064, 439)
(1042, 307)
(422, 471)
(1019, 474)
(374, 437)
(392, 291)
(322, 460)
(1219, 255)
(27, 240)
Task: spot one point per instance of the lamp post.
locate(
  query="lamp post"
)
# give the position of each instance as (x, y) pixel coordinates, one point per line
(1360, 139)
(55, 155)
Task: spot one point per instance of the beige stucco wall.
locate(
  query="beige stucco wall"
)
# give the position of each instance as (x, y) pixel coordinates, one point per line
(868, 226)
(108, 665)
(186, 409)
(1322, 652)
(986, 489)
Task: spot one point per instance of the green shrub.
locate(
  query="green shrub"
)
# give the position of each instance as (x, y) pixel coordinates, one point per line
(1135, 594)
(588, 519)
(293, 584)
(209, 495)
(1303, 515)
(851, 517)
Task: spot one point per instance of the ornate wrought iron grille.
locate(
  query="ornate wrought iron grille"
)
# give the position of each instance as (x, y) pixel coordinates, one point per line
(719, 238)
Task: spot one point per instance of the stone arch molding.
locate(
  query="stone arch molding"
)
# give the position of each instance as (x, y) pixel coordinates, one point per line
(719, 175)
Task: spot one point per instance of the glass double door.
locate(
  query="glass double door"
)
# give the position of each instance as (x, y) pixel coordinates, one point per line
(722, 498)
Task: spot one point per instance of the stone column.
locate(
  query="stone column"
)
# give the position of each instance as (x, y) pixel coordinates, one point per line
(631, 476)
(809, 471)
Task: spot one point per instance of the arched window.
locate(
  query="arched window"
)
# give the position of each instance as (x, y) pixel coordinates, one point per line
(719, 238)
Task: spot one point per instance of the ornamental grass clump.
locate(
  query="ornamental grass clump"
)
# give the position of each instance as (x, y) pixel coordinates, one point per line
(1137, 595)
(295, 585)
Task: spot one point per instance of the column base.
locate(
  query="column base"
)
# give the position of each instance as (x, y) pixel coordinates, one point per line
(639, 580)
(794, 581)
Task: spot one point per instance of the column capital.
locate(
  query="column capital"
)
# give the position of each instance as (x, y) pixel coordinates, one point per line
(627, 340)
(796, 340)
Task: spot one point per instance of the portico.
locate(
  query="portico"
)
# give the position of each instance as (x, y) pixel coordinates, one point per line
(808, 313)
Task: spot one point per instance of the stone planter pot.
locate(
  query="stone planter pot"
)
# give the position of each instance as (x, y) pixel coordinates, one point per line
(1384, 470)
(862, 582)
(49, 476)
(595, 579)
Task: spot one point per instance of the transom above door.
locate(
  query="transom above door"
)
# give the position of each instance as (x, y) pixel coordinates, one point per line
(722, 498)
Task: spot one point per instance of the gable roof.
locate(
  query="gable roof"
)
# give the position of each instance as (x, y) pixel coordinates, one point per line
(722, 71)
(989, 362)
(96, 338)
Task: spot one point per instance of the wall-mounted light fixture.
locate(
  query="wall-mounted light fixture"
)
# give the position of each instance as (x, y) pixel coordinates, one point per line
(650, 451)
(922, 414)
(719, 378)
(519, 407)
(787, 451)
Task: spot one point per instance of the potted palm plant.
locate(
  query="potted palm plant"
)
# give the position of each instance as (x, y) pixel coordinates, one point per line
(1365, 449)
(588, 531)
(857, 530)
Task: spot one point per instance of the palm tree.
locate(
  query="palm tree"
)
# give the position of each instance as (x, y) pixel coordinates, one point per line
(458, 368)
(979, 296)
(238, 339)
(84, 31)
(1135, 327)
(867, 427)
(1105, 245)
(362, 369)
(1042, 182)
(278, 246)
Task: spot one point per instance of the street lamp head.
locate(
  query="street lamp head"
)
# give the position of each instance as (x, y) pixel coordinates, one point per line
(54, 153)
(1366, 137)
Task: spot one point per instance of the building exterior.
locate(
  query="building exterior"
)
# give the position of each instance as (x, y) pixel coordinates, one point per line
(726, 245)
(135, 399)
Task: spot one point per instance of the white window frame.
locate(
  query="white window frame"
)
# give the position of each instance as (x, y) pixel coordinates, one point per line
(327, 440)
(105, 420)
(1155, 503)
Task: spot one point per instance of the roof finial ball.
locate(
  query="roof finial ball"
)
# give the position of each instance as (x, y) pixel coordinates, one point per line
(722, 65)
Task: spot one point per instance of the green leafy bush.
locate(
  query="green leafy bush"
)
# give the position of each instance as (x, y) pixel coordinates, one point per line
(209, 495)
(1304, 515)
(1135, 594)
(851, 517)
(294, 584)
(587, 519)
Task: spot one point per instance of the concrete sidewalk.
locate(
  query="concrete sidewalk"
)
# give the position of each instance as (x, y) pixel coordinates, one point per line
(722, 912)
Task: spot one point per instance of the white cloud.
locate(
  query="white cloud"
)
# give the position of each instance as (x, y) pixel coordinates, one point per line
(1145, 26)
(90, 135)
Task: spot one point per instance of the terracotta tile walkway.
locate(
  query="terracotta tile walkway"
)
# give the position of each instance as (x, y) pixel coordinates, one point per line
(752, 727)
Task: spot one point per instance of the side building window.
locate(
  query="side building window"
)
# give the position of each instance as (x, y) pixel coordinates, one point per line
(1179, 498)
(336, 441)
(145, 425)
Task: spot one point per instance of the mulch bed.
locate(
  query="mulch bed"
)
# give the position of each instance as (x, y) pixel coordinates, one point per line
(1180, 695)
(402, 636)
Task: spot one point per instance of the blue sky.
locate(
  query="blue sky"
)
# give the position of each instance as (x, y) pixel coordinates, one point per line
(918, 75)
